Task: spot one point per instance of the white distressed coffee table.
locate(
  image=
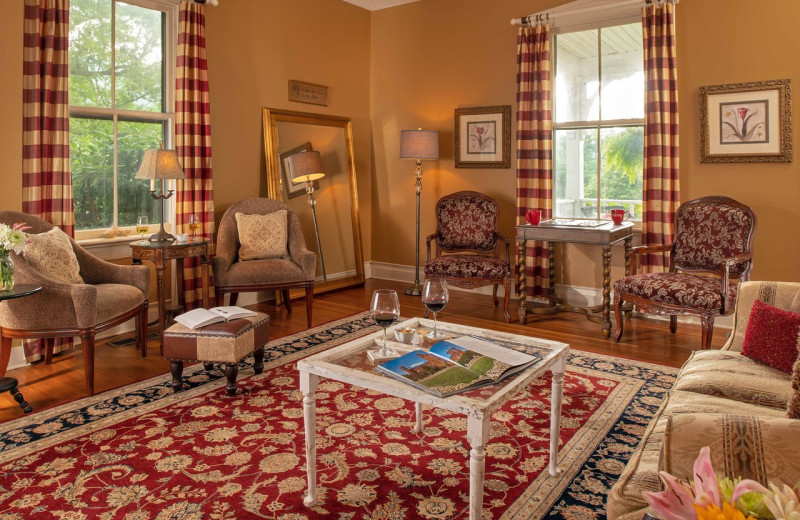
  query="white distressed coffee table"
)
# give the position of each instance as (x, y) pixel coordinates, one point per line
(348, 363)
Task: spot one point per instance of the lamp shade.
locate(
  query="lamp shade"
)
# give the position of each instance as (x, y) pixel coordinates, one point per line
(160, 164)
(306, 166)
(419, 144)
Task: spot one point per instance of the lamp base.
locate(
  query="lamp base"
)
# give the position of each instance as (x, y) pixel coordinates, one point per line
(414, 290)
(162, 236)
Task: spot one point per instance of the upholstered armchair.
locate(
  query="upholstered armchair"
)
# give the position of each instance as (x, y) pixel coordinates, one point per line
(468, 244)
(103, 296)
(292, 266)
(712, 252)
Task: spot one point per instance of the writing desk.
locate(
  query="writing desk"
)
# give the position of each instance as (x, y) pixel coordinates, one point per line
(604, 235)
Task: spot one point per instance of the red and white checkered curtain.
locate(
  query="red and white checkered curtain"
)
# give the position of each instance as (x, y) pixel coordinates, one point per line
(193, 140)
(46, 177)
(661, 180)
(534, 145)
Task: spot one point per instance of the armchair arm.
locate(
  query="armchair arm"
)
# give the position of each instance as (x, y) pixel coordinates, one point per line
(95, 270)
(428, 240)
(644, 250)
(226, 246)
(307, 260)
(727, 264)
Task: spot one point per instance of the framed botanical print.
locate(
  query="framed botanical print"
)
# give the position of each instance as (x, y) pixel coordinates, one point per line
(293, 189)
(746, 122)
(483, 137)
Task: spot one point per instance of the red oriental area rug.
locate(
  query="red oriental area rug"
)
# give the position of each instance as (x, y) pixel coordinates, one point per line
(142, 452)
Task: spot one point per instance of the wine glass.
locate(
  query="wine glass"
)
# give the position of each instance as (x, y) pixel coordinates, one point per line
(142, 225)
(385, 309)
(435, 297)
(194, 224)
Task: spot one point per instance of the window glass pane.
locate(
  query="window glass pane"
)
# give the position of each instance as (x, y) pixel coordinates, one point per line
(622, 72)
(575, 173)
(621, 170)
(91, 143)
(139, 55)
(90, 53)
(133, 198)
(577, 75)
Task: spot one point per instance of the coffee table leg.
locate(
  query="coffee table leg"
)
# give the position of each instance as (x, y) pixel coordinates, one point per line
(418, 426)
(555, 413)
(308, 385)
(477, 435)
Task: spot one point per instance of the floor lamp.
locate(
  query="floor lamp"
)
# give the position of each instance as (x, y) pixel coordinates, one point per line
(162, 165)
(307, 167)
(418, 144)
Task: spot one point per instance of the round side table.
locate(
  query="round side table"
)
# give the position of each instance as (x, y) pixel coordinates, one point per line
(9, 384)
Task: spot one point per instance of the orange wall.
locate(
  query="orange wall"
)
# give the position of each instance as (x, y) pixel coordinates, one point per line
(11, 106)
(432, 56)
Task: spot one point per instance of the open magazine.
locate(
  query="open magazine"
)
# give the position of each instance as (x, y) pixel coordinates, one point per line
(196, 318)
(457, 365)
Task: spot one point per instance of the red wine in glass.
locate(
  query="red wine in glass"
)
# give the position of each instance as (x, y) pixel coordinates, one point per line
(435, 297)
(385, 309)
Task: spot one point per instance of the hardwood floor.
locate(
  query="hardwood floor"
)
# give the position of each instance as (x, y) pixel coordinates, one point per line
(644, 339)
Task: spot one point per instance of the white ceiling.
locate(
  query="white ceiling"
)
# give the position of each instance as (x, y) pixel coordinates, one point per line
(375, 5)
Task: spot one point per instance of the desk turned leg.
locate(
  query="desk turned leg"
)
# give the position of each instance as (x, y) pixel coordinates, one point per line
(521, 281)
(606, 291)
(161, 310)
(477, 435)
(418, 424)
(555, 412)
(308, 385)
(204, 270)
(551, 273)
(628, 255)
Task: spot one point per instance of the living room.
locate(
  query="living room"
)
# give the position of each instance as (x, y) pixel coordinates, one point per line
(411, 66)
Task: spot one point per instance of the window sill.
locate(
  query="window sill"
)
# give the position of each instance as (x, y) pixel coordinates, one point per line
(109, 248)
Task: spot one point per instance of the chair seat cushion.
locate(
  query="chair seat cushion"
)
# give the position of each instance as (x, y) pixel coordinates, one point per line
(467, 266)
(265, 271)
(114, 299)
(681, 289)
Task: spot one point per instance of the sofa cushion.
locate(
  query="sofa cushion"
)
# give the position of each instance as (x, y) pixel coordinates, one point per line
(771, 336)
(262, 236)
(730, 375)
(681, 289)
(51, 254)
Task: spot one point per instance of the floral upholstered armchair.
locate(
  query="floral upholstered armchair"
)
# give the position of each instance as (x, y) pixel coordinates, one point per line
(467, 245)
(712, 253)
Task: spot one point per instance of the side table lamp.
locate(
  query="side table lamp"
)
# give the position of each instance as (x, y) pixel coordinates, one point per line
(418, 144)
(162, 165)
(307, 167)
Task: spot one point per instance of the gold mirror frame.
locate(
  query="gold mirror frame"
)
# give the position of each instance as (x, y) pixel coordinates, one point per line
(270, 118)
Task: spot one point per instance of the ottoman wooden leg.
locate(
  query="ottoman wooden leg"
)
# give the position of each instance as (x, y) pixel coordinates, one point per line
(258, 360)
(176, 368)
(208, 366)
(231, 370)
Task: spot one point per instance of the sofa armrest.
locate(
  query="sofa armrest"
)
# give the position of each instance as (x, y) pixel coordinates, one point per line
(777, 294)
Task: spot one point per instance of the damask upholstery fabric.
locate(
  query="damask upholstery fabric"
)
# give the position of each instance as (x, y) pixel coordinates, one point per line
(706, 234)
(793, 406)
(52, 254)
(467, 266)
(262, 236)
(467, 220)
(680, 289)
(772, 336)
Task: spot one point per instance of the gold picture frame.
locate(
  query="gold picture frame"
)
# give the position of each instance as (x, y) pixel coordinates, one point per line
(746, 122)
(310, 93)
(483, 137)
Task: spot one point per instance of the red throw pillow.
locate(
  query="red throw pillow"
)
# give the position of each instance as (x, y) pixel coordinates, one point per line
(771, 336)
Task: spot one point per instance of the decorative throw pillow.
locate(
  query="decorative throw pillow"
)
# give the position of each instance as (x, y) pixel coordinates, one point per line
(793, 406)
(51, 254)
(771, 336)
(262, 236)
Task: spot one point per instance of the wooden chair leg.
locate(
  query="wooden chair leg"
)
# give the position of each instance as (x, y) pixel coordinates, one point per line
(494, 294)
(49, 345)
(234, 298)
(620, 319)
(287, 302)
(5, 354)
(220, 296)
(309, 304)
(673, 324)
(87, 341)
(141, 329)
(708, 331)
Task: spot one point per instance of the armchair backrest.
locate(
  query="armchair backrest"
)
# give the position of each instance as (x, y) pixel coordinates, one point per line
(228, 234)
(711, 229)
(37, 225)
(466, 220)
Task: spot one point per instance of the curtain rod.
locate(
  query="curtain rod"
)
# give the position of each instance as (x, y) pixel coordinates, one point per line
(583, 6)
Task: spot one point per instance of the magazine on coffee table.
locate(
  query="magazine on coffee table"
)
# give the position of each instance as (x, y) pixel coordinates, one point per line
(196, 318)
(457, 365)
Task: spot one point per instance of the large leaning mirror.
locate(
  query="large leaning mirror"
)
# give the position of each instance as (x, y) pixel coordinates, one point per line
(330, 217)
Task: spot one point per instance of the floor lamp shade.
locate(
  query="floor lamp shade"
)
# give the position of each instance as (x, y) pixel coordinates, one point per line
(419, 144)
(306, 166)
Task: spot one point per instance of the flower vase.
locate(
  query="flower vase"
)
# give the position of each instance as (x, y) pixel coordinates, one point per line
(6, 272)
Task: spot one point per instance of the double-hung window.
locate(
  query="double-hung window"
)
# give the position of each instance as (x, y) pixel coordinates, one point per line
(120, 85)
(598, 122)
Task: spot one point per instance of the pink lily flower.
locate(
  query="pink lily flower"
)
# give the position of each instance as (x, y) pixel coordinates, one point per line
(706, 490)
(746, 486)
(675, 503)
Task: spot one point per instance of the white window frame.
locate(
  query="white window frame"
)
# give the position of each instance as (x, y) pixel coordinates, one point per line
(582, 23)
(170, 9)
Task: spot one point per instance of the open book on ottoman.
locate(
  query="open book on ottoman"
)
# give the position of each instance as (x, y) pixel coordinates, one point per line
(457, 365)
(196, 318)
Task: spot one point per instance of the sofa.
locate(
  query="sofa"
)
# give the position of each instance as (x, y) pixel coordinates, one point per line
(724, 400)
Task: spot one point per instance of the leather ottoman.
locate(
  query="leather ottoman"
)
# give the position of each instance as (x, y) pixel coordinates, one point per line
(225, 343)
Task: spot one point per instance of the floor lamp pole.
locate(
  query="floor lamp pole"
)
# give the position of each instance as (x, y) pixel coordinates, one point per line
(313, 204)
(416, 289)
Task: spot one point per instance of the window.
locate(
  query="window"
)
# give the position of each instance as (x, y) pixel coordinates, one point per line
(118, 99)
(599, 122)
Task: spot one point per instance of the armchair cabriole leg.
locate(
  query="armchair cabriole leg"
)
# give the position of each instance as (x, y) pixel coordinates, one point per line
(220, 295)
(49, 345)
(141, 329)
(673, 324)
(708, 330)
(619, 317)
(87, 341)
(234, 298)
(287, 302)
(309, 303)
(494, 294)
